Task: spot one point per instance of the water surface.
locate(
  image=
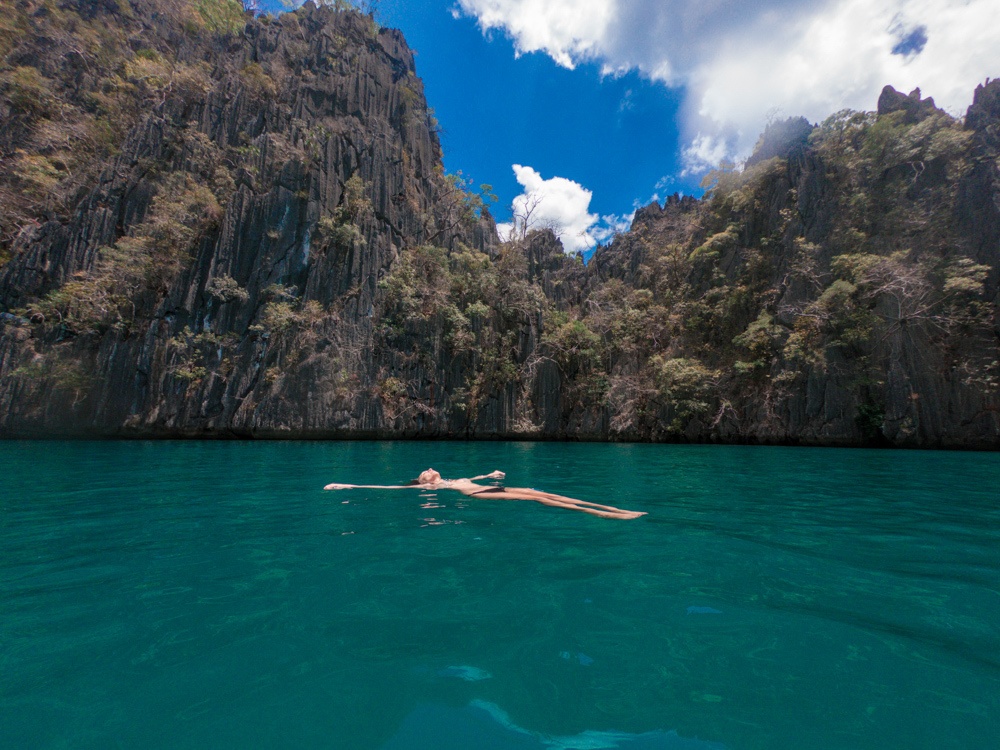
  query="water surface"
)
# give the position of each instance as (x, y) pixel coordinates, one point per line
(192, 595)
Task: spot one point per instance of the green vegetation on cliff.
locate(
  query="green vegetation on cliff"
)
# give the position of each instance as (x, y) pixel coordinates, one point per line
(77, 77)
(216, 223)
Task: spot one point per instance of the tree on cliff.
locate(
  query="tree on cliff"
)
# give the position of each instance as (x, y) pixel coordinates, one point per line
(228, 224)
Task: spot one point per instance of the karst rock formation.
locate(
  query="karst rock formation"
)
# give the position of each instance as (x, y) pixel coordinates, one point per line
(226, 226)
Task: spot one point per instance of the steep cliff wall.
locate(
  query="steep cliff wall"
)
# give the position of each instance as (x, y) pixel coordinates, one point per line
(841, 289)
(834, 293)
(248, 231)
(220, 272)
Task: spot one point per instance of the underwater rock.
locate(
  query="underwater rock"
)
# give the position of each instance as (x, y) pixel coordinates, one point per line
(582, 659)
(469, 674)
(485, 725)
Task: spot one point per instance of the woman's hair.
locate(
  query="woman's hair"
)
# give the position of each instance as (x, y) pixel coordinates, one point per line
(413, 482)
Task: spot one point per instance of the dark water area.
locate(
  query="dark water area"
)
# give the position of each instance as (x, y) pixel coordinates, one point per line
(192, 595)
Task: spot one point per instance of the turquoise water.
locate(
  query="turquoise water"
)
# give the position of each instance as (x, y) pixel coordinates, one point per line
(211, 595)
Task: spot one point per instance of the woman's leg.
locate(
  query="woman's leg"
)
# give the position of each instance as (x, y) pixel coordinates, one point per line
(556, 501)
(574, 501)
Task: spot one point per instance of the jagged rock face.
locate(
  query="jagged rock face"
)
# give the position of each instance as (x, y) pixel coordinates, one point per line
(784, 139)
(273, 250)
(978, 205)
(913, 107)
(925, 390)
(343, 112)
(350, 104)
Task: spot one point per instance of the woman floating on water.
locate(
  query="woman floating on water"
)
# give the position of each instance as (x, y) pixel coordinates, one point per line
(431, 480)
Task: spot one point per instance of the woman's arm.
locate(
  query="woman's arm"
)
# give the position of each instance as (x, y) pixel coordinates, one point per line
(335, 486)
(491, 475)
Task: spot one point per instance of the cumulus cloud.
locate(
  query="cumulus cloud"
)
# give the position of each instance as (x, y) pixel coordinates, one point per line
(612, 225)
(739, 61)
(704, 152)
(568, 30)
(561, 205)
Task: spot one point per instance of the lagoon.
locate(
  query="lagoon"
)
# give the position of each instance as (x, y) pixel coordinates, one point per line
(210, 594)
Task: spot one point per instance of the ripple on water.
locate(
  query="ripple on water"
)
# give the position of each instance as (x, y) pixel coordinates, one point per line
(154, 597)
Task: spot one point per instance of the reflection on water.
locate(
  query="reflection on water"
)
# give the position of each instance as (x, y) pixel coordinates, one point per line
(486, 725)
(193, 595)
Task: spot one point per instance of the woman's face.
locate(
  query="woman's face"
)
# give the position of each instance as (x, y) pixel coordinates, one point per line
(429, 477)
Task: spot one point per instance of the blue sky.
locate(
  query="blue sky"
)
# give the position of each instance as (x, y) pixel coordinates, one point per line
(616, 136)
(604, 105)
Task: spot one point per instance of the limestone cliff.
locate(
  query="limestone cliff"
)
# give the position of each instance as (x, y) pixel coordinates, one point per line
(220, 273)
(243, 228)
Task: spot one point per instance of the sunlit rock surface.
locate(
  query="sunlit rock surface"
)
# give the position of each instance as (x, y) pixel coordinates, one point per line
(267, 245)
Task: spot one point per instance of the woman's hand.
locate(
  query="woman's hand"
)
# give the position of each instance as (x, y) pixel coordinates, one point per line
(336, 486)
(491, 475)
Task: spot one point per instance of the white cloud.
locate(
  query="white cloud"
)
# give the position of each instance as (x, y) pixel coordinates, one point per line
(568, 30)
(738, 61)
(561, 205)
(703, 153)
(612, 225)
